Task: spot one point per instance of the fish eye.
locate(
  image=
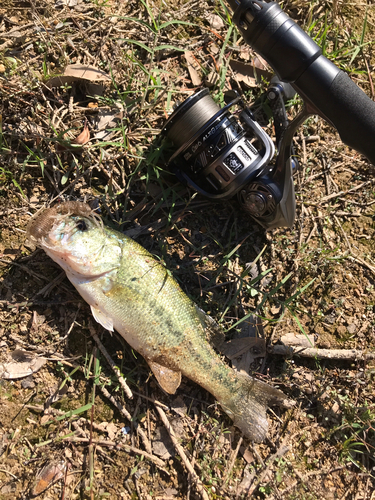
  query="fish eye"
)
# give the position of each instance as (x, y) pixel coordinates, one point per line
(81, 225)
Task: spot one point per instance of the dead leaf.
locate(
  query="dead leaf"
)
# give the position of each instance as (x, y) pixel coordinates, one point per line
(170, 492)
(243, 362)
(252, 327)
(38, 319)
(25, 364)
(56, 396)
(83, 137)
(193, 68)
(21, 356)
(212, 79)
(215, 21)
(245, 53)
(178, 406)
(237, 347)
(248, 477)
(67, 3)
(162, 444)
(45, 419)
(247, 455)
(78, 72)
(249, 73)
(248, 345)
(107, 120)
(260, 63)
(112, 430)
(51, 473)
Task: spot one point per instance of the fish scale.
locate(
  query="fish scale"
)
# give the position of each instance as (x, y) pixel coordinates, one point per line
(130, 291)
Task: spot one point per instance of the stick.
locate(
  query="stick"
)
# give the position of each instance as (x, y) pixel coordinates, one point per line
(283, 448)
(126, 447)
(311, 352)
(305, 477)
(232, 460)
(352, 256)
(104, 351)
(342, 193)
(125, 412)
(182, 454)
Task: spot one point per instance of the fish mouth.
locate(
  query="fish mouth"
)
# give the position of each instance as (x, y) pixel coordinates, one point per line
(62, 258)
(40, 232)
(43, 221)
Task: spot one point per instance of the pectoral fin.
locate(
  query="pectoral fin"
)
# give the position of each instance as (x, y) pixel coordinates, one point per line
(102, 319)
(168, 379)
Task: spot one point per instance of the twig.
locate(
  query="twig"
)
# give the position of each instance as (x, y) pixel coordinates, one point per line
(126, 447)
(104, 351)
(283, 448)
(232, 460)
(91, 451)
(326, 176)
(182, 454)
(125, 412)
(341, 193)
(363, 262)
(352, 255)
(24, 268)
(344, 233)
(99, 442)
(370, 79)
(304, 477)
(311, 352)
(7, 472)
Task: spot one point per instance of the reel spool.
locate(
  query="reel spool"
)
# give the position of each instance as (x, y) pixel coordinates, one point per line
(216, 154)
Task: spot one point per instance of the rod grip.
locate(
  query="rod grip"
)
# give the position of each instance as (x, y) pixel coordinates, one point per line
(339, 100)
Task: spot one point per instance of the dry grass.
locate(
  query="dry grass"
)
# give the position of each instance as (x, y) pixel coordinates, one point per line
(74, 413)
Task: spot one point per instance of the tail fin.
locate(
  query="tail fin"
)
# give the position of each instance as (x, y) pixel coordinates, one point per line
(248, 406)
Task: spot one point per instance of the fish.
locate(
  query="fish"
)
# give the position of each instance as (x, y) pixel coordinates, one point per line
(130, 290)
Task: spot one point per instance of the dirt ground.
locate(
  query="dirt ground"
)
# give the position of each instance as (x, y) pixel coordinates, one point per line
(68, 430)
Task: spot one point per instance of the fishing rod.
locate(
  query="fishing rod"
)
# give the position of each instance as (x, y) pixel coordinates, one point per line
(220, 153)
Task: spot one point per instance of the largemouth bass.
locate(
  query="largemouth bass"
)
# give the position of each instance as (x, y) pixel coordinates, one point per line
(130, 291)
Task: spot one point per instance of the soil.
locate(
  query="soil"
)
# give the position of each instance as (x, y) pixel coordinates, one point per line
(64, 432)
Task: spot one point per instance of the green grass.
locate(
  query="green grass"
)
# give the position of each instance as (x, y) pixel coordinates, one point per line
(212, 249)
(340, 46)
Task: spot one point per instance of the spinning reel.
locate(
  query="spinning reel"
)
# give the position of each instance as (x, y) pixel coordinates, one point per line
(220, 154)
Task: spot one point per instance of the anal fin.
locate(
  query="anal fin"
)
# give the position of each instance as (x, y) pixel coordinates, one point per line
(102, 319)
(168, 379)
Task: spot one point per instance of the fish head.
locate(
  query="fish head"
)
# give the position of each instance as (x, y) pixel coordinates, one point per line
(74, 237)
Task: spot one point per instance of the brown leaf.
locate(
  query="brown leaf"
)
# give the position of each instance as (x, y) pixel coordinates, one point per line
(249, 74)
(83, 137)
(162, 444)
(56, 396)
(51, 473)
(25, 364)
(246, 453)
(193, 68)
(108, 119)
(236, 347)
(78, 72)
(215, 21)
